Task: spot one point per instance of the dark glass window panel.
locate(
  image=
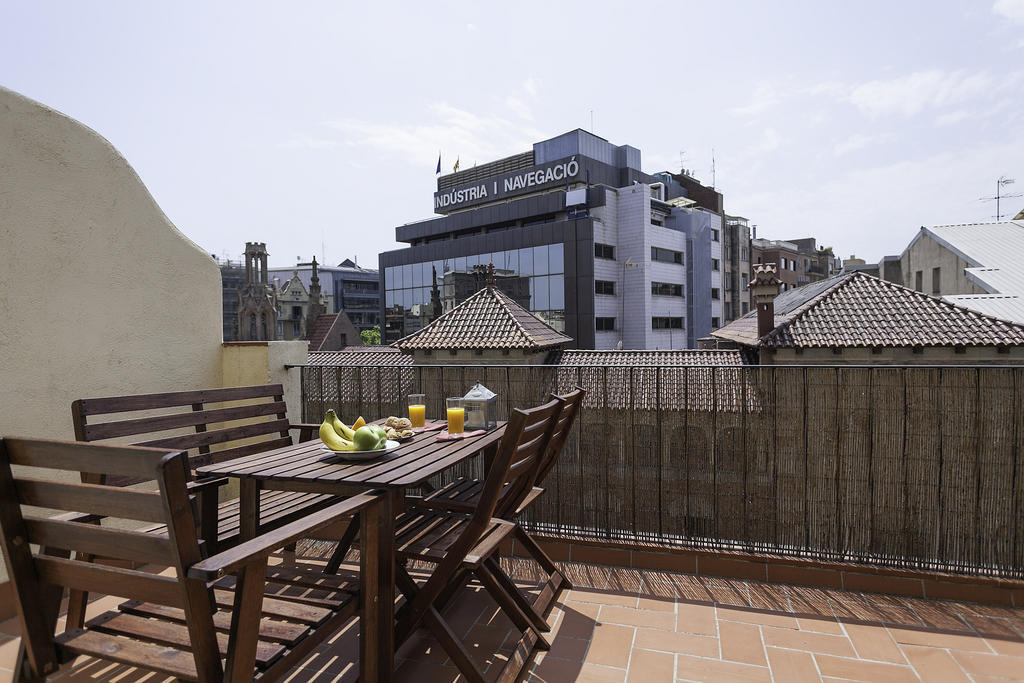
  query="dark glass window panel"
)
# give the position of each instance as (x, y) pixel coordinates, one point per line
(542, 300)
(556, 291)
(556, 258)
(526, 261)
(540, 260)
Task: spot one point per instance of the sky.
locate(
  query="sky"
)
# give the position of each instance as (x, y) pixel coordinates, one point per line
(316, 127)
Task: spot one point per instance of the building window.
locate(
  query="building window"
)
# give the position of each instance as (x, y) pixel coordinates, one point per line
(728, 311)
(715, 322)
(666, 255)
(605, 324)
(744, 276)
(785, 263)
(605, 251)
(667, 323)
(714, 235)
(715, 294)
(936, 283)
(604, 287)
(745, 309)
(666, 289)
(715, 264)
(919, 281)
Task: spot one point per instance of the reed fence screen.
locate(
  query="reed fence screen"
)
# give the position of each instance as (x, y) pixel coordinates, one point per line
(917, 467)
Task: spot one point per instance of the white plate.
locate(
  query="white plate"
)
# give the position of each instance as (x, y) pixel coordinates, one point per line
(360, 455)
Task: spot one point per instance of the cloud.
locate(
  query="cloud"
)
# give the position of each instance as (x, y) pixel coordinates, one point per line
(305, 142)
(531, 86)
(951, 118)
(910, 95)
(456, 132)
(1012, 10)
(518, 107)
(765, 96)
(859, 141)
(770, 141)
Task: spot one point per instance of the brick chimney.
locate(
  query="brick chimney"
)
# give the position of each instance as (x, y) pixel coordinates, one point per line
(764, 288)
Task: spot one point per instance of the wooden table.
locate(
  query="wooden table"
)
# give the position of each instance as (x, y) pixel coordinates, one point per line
(300, 468)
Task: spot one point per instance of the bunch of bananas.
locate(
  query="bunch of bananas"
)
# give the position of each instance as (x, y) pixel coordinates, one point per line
(336, 435)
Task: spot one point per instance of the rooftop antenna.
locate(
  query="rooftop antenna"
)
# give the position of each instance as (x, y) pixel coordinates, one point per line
(591, 120)
(712, 167)
(323, 252)
(1002, 182)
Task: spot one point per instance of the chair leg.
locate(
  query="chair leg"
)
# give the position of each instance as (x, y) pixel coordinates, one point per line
(509, 586)
(452, 645)
(556, 581)
(508, 605)
(343, 546)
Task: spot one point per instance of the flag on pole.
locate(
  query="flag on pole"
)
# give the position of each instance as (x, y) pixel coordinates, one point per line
(438, 163)
(456, 168)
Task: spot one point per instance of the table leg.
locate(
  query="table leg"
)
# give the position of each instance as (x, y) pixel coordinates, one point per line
(248, 508)
(377, 572)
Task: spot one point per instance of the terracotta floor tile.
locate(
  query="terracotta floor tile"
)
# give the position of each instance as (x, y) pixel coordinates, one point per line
(577, 621)
(628, 616)
(591, 673)
(931, 638)
(420, 672)
(741, 643)
(9, 653)
(790, 665)
(820, 625)
(681, 643)
(554, 670)
(859, 670)
(696, 618)
(991, 665)
(601, 597)
(646, 666)
(714, 670)
(810, 642)
(655, 603)
(610, 645)
(564, 647)
(932, 664)
(1014, 648)
(757, 616)
(874, 643)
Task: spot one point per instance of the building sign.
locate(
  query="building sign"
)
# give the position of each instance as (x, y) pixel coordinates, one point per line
(508, 185)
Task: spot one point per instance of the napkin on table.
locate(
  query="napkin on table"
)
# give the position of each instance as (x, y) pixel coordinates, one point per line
(445, 436)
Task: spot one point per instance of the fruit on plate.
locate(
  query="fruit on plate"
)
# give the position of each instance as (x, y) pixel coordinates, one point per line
(358, 423)
(369, 438)
(339, 426)
(332, 439)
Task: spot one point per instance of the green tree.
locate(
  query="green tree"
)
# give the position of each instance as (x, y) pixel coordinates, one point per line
(370, 337)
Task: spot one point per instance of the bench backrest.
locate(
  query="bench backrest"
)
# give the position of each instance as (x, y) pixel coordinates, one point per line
(67, 543)
(209, 414)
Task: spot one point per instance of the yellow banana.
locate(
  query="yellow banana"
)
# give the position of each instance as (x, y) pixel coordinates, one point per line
(331, 438)
(339, 426)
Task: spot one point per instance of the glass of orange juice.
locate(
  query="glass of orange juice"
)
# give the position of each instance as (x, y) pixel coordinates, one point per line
(456, 415)
(417, 409)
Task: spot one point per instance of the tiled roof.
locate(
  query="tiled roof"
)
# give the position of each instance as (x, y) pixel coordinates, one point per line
(489, 319)
(694, 379)
(855, 309)
(318, 333)
(355, 356)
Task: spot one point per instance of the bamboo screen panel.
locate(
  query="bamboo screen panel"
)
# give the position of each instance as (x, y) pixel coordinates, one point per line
(917, 467)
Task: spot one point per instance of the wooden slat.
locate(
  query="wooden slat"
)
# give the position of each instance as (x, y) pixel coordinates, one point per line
(241, 451)
(131, 461)
(96, 540)
(124, 404)
(275, 607)
(209, 438)
(171, 634)
(167, 660)
(159, 423)
(109, 501)
(96, 578)
(274, 630)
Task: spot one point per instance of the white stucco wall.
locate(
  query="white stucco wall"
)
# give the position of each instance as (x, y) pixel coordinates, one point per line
(99, 293)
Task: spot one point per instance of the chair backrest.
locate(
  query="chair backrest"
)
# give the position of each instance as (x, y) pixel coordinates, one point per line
(571, 403)
(202, 419)
(514, 468)
(66, 543)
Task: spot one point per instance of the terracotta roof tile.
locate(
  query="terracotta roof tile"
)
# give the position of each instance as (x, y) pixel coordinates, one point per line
(321, 326)
(489, 319)
(860, 310)
(355, 356)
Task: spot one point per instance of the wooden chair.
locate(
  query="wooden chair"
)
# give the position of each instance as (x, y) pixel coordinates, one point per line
(235, 421)
(202, 620)
(466, 544)
(463, 495)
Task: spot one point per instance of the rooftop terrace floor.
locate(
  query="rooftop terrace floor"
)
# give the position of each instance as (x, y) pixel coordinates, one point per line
(637, 625)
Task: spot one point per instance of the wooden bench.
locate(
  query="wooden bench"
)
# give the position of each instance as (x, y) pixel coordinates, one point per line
(226, 617)
(209, 430)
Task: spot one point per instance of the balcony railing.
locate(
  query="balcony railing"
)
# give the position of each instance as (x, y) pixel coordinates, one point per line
(913, 467)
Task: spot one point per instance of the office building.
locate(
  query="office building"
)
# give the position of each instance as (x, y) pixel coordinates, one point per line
(598, 249)
(347, 287)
